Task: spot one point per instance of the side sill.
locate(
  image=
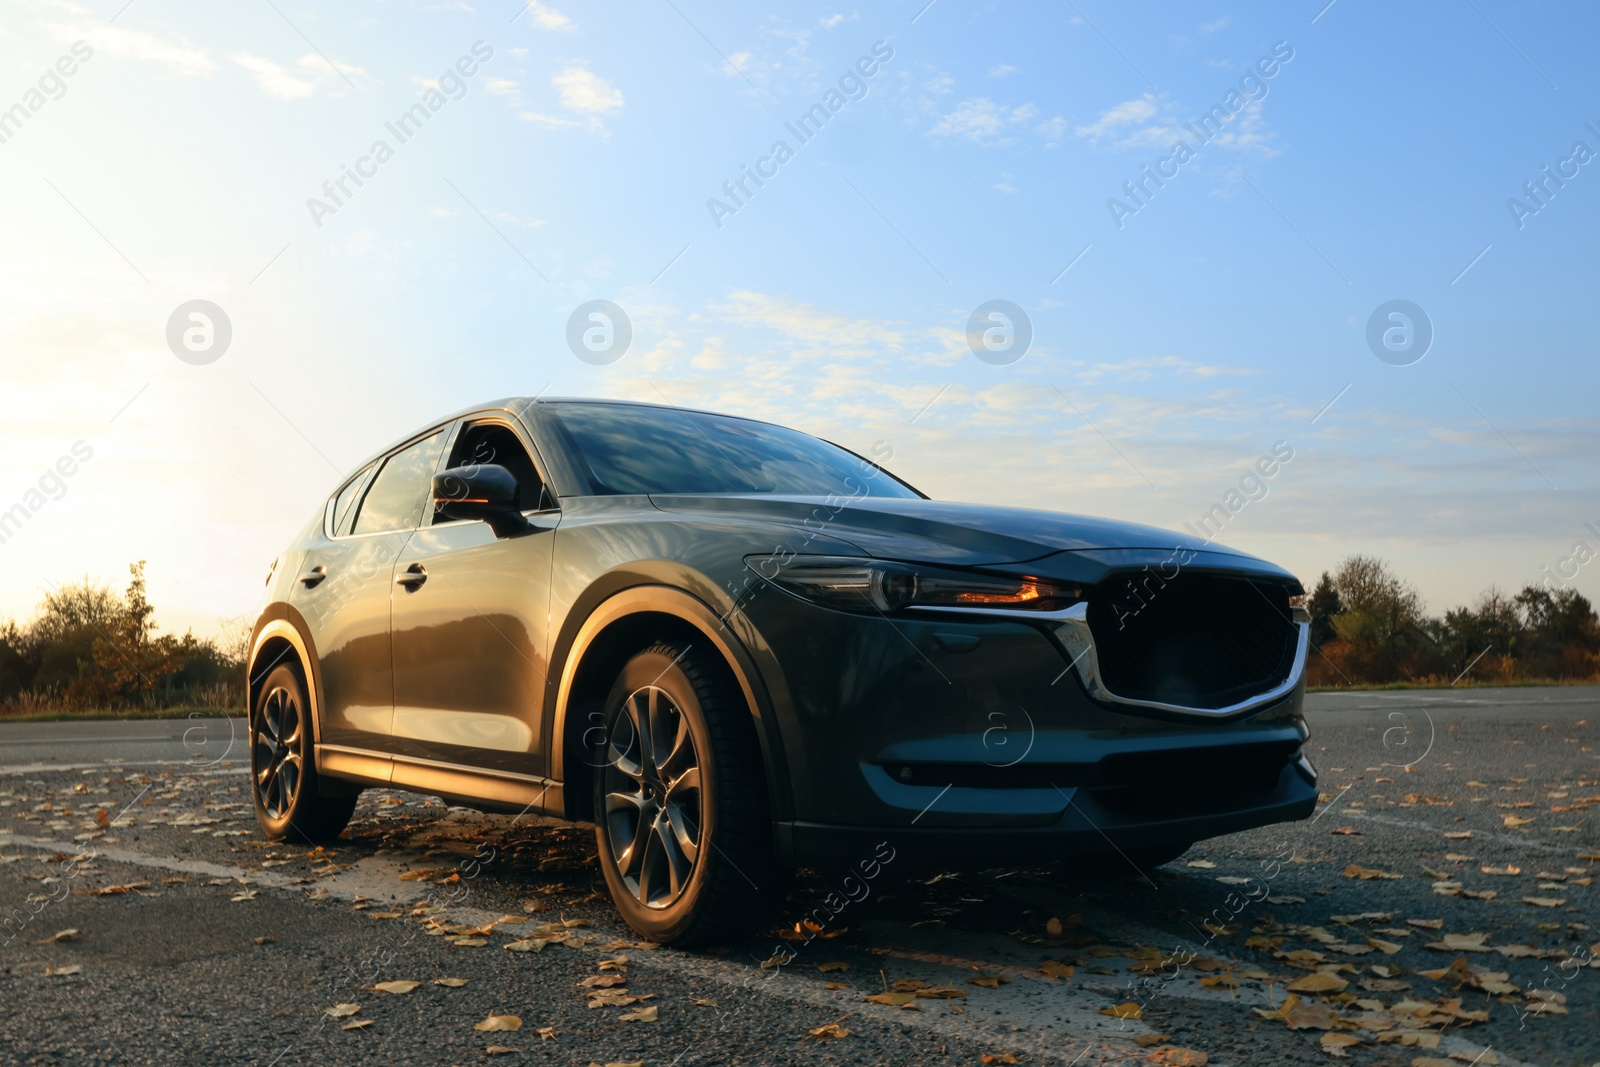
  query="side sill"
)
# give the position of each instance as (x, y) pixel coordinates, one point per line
(354, 764)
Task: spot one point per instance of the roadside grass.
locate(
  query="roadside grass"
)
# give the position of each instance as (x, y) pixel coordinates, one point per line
(90, 714)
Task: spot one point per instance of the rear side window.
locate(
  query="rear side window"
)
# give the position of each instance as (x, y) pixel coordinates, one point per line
(402, 488)
(344, 504)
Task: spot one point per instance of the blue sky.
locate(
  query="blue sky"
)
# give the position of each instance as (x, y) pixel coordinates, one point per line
(976, 163)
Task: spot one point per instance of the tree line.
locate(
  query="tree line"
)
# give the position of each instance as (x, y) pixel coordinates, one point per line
(1368, 627)
(89, 647)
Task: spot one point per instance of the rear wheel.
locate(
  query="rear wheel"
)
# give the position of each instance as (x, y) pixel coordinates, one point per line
(684, 834)
(283, 772)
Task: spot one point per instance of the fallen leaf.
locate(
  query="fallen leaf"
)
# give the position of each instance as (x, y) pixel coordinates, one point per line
(603, 981)
(1511, 822)
(894, 1000)
(831, 966)
(1544, 902)
(267, 940)
(1426, 924)
(356, 1024)
(1056, 969)
(1179, 1057)
(546, 1033)
(833, 1031)
(499, 1050)
(1204, 865)
(341, 1011)
(1338, 1044)
(527, 944)
(62, 972)
(61, 935)
(1507, 870)
(642, 1015)
(1318, 982)
(469, 942)
(398, 988)
(450, 983)
(1053, 928)
(1368, 873)
(990, 981)
(499, 1022)
(1461, 943)
(1130, 1010)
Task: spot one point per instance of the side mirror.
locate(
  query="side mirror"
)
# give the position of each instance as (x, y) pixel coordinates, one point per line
(484, 491)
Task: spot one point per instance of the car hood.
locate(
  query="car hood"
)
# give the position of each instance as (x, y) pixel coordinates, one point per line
(937, 531)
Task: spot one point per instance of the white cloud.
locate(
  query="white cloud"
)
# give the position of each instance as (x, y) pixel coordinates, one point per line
(982, 120)
(500, 87)
(1002, 70)
(585, 92)
(176, 53)
(1151, 121)
(547, 122)
(311, 73)
(1208, 28)
(833, 20)
(1004, 184)
(547, 18)
(1051, 131)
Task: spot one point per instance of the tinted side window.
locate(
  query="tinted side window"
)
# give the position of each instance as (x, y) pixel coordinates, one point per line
(344, 505)
(486, 443)
(402, 488)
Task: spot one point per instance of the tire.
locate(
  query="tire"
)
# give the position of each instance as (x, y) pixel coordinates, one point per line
(283, 775)
(683, 825)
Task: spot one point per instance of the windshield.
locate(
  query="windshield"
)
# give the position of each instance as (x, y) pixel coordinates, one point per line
(627, 449)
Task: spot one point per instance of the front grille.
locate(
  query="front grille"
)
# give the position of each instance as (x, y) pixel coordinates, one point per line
(1196, 640)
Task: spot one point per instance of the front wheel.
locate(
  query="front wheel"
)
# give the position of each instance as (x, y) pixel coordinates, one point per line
(283, 774)
(683, 829)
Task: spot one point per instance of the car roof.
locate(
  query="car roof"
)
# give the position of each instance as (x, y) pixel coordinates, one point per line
(519, 403)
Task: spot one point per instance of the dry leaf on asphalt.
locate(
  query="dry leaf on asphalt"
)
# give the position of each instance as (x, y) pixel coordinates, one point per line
(1508, 869)
(1318, 982)
(1368, 873)
(61, 935)
(1130, 1010)
(1179, 1057)
(1426, 924)
(833, 1031)
(602, 981)
(546, 1033)
(990, 981)
(62, 972)
(1204, 865)
(832, 965)
(1055, 969)
(1511, 822)
(498, 1023)
(527, 944)
(356, 1024)
(1461, 943)
(640, 1015)
(1339, 1044)
(499, 1050)
(451, 983)
(1544, 902)
(894, 1000)
(398, 988)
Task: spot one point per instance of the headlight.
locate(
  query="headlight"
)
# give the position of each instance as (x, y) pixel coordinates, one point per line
(847, 583)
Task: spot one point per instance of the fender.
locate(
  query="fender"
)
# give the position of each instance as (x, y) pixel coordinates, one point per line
(280, 620)
(640, 599)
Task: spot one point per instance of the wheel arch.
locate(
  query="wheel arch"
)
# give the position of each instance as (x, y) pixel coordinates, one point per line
(279, 634)
(618, 627)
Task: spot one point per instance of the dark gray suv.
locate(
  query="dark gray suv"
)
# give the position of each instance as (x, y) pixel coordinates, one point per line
(736, 649)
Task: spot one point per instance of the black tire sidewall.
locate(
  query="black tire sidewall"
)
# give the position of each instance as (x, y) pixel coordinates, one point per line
(285, 676)
(657, 668)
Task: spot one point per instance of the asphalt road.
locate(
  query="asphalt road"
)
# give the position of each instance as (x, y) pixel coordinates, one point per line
(1479, 802)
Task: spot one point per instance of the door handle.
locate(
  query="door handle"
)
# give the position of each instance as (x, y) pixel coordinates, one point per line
(313, 576)
(414, 576)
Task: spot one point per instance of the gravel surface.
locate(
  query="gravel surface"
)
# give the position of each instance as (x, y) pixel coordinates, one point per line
(198, 942)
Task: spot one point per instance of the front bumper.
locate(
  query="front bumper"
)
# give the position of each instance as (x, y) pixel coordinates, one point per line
(1088, 825)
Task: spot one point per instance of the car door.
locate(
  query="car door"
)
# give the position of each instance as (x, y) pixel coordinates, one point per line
(346, 586)
(471, 621)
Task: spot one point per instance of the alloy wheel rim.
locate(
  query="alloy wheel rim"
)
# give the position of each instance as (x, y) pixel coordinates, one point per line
(653, 798)
(275, 755)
